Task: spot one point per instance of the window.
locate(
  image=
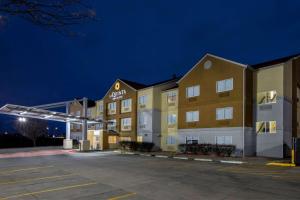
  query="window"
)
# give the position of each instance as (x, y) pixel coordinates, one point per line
(139, 138)
(142, 119)
(223, 139)
(77, 126)
(192, 116)
(266, 127)
(112, 139)
(193, 91)
(112, 108)
(171, 119)
(171, 140)
(224, 85)
(100, 108)
(112, 125)
(99, 126)
(171, 98)
(224, 113)
(191, 140)
(89, 112)
(126, 124)
(126, 105)
(143, 100)
(267, 97)
(77, 113)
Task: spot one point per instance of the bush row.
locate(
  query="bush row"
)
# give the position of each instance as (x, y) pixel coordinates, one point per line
(205, 149)
(136, 146)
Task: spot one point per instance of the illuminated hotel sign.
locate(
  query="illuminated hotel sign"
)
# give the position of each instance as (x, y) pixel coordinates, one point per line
(118, 94)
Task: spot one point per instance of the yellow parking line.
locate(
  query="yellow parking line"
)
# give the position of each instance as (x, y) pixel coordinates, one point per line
(48, 190)
(23, 169)
(35, 179)
(122, 196)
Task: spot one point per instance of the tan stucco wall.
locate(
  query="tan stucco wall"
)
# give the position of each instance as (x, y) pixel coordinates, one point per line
(270, 78)
(165, 130)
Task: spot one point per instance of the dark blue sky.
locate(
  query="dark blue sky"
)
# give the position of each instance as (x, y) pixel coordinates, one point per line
(144, 41)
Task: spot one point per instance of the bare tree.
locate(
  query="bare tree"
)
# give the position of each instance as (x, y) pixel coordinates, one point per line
(32, 129)
(57, 15)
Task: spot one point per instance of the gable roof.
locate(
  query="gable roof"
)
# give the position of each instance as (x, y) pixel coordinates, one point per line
(274, 62)
(134, 85)
(214, 56)
(173, 79)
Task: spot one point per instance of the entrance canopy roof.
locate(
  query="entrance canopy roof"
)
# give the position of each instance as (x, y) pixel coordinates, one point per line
(32, 112)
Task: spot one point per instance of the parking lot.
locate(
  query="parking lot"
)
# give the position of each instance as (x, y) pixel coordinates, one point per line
(109, 175)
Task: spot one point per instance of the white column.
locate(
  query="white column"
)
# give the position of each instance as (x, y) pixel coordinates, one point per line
(68, 130)
(84, 123)
(68, 143)
(84, 143)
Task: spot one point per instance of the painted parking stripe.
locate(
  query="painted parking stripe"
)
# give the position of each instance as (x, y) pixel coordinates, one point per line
(23, 169)
(48, 190)
(35, 179)
(161, 156)
(181, 158)
(203, 159)
(122, 196)
(231, 162)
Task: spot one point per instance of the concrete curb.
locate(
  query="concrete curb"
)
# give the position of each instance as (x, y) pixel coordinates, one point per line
(186, 158)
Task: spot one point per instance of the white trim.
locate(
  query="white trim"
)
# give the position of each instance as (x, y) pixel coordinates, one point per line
(244, 88)
(217, 57)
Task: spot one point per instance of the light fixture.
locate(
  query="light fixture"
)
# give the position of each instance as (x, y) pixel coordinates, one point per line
(22, 119)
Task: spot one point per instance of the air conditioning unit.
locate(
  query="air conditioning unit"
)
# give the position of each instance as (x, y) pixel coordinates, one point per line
(142, 106)
(126, 128)
(126, 109)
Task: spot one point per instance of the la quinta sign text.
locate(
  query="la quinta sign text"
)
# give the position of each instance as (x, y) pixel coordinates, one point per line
(118, 94)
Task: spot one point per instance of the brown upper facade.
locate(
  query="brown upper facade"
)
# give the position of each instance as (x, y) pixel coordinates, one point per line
(211, 94)
(119, 107)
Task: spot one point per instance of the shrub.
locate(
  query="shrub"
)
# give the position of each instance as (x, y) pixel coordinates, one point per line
(222, 150)
(136, 146)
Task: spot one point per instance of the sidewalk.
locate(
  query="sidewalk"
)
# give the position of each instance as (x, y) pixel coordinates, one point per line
(208, 158)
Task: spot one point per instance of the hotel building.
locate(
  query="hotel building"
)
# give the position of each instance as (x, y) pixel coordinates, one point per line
(218, 101)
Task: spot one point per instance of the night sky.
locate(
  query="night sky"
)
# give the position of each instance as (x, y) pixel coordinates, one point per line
(139, 40)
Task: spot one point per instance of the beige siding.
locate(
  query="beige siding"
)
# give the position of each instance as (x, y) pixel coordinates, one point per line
(167, 130)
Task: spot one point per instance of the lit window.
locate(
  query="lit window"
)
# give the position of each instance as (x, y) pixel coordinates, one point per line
(139, 138)
(223, 139)
(224, 85)
(266, 127)
(267, 97)
(171, 119)
(171, 140)
(112, 108)
(112, 139)
(192, 116)
(171, 98)
(193, 91)
(272, 125)
(224, 113)
(126, 124)
(126, 105)
(143, 100)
